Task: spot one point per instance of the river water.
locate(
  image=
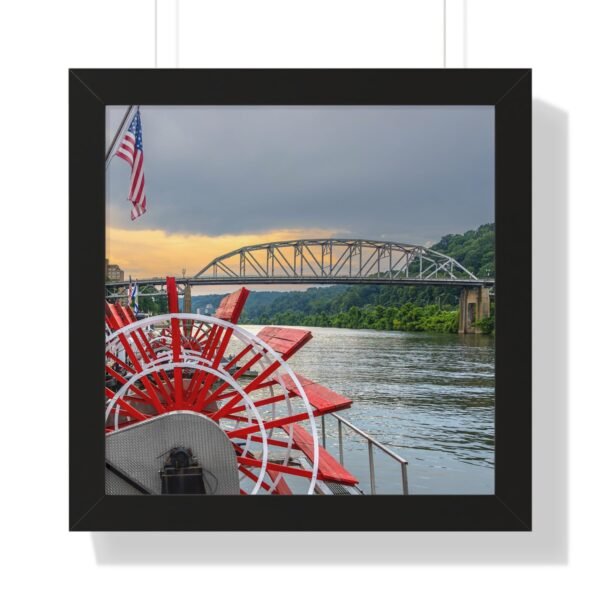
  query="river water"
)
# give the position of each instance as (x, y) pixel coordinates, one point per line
(428, 397)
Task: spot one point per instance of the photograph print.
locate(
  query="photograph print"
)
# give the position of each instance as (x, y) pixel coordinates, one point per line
(300, 300)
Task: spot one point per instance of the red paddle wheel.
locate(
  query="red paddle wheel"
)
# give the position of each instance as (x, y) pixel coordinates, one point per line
(236, 381)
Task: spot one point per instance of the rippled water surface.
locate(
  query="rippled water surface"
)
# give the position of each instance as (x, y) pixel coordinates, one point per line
(429, 397)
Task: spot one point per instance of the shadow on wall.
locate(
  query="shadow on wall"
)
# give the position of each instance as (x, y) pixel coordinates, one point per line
(548, 542)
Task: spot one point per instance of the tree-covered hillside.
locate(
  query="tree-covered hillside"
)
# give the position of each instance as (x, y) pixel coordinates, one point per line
(475, 249)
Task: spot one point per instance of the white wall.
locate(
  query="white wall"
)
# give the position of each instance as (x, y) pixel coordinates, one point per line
(40, 40)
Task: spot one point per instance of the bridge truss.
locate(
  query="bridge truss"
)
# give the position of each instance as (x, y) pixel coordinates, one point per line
(323, 261)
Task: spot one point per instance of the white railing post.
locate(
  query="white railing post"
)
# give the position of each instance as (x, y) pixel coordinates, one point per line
(371, 467)
(340, 442)
(371, 443)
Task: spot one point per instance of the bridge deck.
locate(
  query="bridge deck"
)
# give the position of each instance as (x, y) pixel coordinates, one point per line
(114, 287)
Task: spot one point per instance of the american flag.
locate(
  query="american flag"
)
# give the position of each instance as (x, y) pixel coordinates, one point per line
(132, 296)
(130, 150)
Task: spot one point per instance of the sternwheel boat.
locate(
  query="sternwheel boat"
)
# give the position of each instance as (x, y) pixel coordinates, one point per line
(196, 404)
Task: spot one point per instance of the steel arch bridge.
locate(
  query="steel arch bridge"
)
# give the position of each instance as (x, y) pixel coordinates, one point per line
(322, 261)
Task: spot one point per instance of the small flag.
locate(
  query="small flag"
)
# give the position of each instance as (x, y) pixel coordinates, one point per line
(131, 151)
(132, 296)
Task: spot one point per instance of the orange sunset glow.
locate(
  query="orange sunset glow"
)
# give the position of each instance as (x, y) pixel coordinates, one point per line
(155, 253)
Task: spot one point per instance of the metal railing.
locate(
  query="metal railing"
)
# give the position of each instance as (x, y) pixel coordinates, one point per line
(371, 442)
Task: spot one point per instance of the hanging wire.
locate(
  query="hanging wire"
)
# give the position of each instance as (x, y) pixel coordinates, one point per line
(155, 34)
(445, 29)
(177, 34)
(176, 5)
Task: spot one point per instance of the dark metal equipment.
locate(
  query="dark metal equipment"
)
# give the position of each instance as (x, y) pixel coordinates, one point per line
(182, 474)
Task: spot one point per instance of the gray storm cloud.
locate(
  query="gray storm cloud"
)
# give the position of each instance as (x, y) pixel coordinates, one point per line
(405, 173)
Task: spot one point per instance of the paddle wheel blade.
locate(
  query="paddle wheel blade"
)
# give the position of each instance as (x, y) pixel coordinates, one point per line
(231, 306)
(322, 399)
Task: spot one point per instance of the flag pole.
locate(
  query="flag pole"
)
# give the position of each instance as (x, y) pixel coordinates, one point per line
(124, 123)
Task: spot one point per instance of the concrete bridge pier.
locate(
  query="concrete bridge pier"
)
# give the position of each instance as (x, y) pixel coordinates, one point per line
(187, 308)
(187, 299)
(474, 305)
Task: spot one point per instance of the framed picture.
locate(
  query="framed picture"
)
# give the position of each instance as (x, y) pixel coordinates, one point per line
(300, 300)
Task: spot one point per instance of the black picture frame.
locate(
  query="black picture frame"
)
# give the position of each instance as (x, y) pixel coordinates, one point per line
(509, 91)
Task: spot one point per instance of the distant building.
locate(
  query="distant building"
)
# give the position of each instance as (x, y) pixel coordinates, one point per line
(113, 272)
(209, 309)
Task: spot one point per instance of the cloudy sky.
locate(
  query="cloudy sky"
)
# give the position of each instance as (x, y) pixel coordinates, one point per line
(218, 178)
